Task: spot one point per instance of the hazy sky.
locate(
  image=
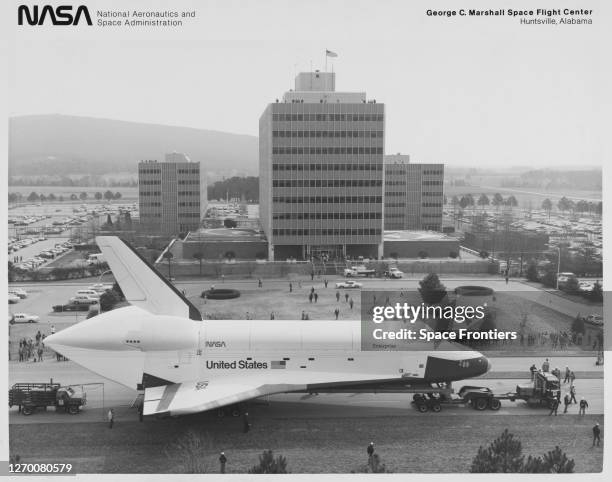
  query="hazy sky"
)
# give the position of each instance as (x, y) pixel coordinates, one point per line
(457, 90)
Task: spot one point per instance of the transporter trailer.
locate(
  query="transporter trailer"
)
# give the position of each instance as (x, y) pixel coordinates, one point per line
(543, 391)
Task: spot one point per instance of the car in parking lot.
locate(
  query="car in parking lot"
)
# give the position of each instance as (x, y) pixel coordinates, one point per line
(18, 292)
(348, 284)
(100, 287)
(12, 299)
(84, 300)
(586, 286)
(24, 318)
(595, 319)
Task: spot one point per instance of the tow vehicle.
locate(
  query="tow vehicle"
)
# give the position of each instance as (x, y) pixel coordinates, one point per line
(543, 390)
(358, 271)
(30, 396)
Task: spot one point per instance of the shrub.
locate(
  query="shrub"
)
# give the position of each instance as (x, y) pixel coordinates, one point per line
(453, 254)
(270, 465)
(532, 272)
(484, 254)
(432, 291)
(423, 254)
(191, 450)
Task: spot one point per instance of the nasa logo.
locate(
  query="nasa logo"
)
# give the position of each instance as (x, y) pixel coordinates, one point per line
(61, 15)
(215, 344)
(201, 385)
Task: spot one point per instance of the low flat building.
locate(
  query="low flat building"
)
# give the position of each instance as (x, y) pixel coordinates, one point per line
(221, 243)
(412, 244)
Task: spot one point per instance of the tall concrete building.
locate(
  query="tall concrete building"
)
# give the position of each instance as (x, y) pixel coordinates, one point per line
(414, 194)
(172, 195)
(321, 171)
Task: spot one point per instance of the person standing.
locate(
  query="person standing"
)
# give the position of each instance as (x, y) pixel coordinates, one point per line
(310, 296)
(272, 315)
(351, 303)
(111, 417)
(290, 287)
(316, 296)
(554, 406)
(325, 282)
(337, 296)
(336, 312)
(222, 461)
(346, 297)
(533, 369)
(596, 434)
(572, 377)
(303, 315)
(583, 406)
(259, 283)
(546, 366)
(567, 375)
(370, 450)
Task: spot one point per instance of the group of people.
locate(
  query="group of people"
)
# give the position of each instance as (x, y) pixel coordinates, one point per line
(32, 349)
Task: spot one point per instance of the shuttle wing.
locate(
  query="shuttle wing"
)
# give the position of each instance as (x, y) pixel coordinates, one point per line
(141, 284)
(193, 397)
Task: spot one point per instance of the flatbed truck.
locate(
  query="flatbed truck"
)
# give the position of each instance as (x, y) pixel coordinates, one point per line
(31, 396)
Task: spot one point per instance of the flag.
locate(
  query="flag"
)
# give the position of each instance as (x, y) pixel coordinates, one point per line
(281, 364)
(329, 53)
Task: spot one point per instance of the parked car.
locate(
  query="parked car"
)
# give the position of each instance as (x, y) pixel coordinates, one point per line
(12, 299)
(84, 300)
(18, 292)
(565, 277)
(100, 287)
(348, 284)
(595, 319)
(88, 292)
(25, 318)
(586, 286)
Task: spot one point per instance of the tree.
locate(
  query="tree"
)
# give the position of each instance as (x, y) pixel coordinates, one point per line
(108, 300)
(550, 278)
(33, 197)
(98, 196)
(483, 200)
(571, 285)
(564, 204)
(52, 197)
(73, 197)
(511, 201)
(498, 200)
(532, 272)
(596, 294)
(42, 198)
(117, 195)
(108, 195)
(83, 196)
(270, 465)
(547, 206)
(504, 455)
(230, 223)
(554, 462)
(432, 291)
(199, 256)
(577, 327)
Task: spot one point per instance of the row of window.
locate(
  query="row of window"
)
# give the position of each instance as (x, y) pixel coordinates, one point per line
(319, 215)
(150, 204)
(425, 172)
(189, 215)
(327, 199)
(326, 167)
(431, 205)
(432, 183)
(152, 182)
(189, 181)
(326, 183)
(150, 193)
(395, 205)
(326, 232)
(188, 171)
(149, 171)
(327, 117)
(431, 215)
(395, 183)
(189, 193)
(327, 150)
(195, 204)
(324, 134)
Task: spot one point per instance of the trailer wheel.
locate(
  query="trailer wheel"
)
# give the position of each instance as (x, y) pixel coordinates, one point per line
(235, 412)
(436, 407)
(27, 410)
(73, 409)
(481, 403)
(422, 407)
(494, 404)
(221, 413)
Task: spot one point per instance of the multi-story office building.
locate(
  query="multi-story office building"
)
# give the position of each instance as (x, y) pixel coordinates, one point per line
(172, 195)
(321, 171)
(414, 194)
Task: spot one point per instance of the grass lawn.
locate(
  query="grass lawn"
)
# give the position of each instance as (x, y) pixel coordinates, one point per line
(410, 444)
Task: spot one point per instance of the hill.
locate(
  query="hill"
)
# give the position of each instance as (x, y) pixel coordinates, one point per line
(60, 145)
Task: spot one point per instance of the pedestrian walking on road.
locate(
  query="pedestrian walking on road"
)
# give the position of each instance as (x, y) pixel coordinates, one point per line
(566, 401)
(325, 282)
(111, 417)
(351, 303)
(222, 462)
(583, 406)
(554, 406)
(546, 366)
(336, 312)
(596, 434)
(290, 288)
(310, 296)
(316, 297)
(337, 296)
(567, 375)
(572, 377)
(573, 394)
